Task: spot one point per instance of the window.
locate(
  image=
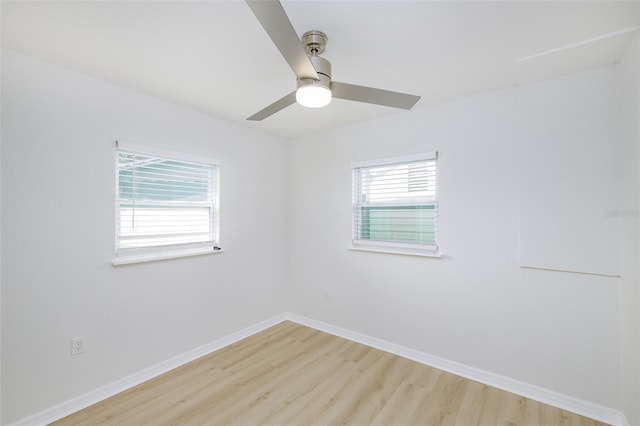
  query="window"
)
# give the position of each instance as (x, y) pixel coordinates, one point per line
(166, 204)
(395, 204)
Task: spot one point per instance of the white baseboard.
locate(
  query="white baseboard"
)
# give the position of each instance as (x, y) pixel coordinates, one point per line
(546, 396)
(556, 399)
(83, 401)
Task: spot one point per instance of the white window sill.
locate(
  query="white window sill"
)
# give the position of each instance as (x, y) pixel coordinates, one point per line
(436, 255)
(153, 257)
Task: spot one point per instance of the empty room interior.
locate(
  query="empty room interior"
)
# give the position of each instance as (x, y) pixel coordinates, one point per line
(320, 212)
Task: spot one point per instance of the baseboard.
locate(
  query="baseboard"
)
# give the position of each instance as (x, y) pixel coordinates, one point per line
(76, 404)
(556, 399)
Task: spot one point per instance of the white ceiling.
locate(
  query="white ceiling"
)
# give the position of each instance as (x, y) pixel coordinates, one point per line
(215, 57)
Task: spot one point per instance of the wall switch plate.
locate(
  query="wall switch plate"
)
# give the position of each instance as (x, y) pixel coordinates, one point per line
(77, 345)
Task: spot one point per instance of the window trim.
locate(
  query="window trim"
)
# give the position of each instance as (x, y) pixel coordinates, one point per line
(431, 155)
(408, 252)
(424, 250)
(164, 255)
(150, 254)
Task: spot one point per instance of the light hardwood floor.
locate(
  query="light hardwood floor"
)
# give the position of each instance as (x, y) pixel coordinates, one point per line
(294, 375)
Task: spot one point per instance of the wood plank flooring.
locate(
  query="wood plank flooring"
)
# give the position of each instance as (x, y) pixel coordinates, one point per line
(294, 375)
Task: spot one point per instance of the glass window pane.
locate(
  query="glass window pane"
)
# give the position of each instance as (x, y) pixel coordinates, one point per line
(396, 202)
(164, 202)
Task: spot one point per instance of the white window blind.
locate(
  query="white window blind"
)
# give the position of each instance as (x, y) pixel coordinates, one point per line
(395, 203)
(164, 203)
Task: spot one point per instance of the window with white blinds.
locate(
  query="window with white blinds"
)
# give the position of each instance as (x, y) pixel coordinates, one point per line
(395, 203)
(164, 202)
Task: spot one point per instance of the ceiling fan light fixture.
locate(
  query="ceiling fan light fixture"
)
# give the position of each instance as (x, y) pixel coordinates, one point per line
(313, 95)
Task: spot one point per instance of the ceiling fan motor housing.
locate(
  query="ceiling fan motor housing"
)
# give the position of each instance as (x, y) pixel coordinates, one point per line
(314, 42)
(323, 68)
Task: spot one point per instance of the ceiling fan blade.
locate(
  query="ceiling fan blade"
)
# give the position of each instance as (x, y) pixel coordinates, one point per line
(276, 23)
(373, 96)
(278, 105)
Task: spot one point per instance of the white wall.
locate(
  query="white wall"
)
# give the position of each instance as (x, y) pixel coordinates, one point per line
(630, 233)
(568, 162)
(58, 179)
(476, 306)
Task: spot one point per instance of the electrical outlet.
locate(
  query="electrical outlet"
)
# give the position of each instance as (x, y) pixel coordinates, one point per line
(78, 345)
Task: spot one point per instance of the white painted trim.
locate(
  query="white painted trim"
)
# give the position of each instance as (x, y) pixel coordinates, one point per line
(433, 155)
(374, 249)
(92, 397)
(165, 153)
(163, 255)
(546, 396)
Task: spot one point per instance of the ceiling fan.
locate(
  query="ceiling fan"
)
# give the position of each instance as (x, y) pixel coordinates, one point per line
(313, 73)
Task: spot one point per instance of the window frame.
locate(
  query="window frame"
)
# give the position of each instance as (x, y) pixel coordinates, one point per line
(417, 249)
(125, 256)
